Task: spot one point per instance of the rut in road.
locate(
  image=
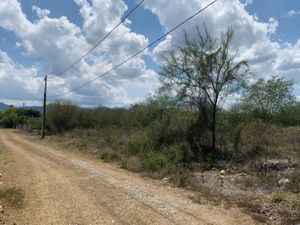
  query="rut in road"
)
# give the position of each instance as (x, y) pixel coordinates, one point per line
(64, 188)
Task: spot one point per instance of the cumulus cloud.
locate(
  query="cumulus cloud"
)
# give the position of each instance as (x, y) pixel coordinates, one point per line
(59, 42)
(40, 12)
(272, 26)
(253, 38)
(217, 18)
(16, 81)
(56, 40)
(248, 2)
(293, 13)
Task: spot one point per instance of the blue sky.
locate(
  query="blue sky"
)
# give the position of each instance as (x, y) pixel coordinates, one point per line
(42, 37)
(288, 29)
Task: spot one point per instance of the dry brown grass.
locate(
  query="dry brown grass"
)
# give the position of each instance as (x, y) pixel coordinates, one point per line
(12, 196)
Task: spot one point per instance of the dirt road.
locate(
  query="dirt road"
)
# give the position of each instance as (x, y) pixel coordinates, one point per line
(65, 188)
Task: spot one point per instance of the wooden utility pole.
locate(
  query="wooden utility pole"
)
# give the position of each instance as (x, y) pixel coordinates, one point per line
(24, 119)
(44, 109)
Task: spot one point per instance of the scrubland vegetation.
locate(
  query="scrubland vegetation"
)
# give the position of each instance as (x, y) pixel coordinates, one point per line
(13, 117)
(188, 130)
(160, 138)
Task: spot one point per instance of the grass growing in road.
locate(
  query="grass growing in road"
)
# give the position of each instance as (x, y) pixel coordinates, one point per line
(12, 196)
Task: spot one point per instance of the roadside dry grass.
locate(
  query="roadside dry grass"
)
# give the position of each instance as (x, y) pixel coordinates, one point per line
(12, 196)
(265, 202)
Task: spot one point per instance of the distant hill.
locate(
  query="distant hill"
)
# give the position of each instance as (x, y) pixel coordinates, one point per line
(101, 107)
(3, 107)
(38, 108)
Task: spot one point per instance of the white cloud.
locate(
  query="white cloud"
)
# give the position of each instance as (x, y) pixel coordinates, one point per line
(248, 2)
(59, 42)
(17, 81)
(293, 13)
(253, 38)
(12, 17)
(40, 12)
(272, 26)
(100, 17)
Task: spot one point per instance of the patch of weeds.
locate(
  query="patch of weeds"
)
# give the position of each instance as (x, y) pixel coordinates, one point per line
(278, 196)
(294, 185)
(205, 196)
(183, 180)
(271, 177)
(110, 156)
(211, 161)
(137, 142)
(182, 177)
(252, 207)
(295, 202)
(153, 161)
(290, 216)
(131, 163)
(12, 196)
(81, 144)
(179, 154)
(247, 182)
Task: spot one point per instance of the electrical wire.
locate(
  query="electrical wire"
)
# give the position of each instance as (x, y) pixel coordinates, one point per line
(99, 42)
(35, 98)
(91, 49)
(137, 53)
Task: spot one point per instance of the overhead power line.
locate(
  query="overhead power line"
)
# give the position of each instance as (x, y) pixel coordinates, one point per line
(37, 94)
(137, 53)
(32, 101)
(90, 50)
(99, 42)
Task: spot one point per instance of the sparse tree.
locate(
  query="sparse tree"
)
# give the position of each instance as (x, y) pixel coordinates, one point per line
(266, 98)
(203, 73)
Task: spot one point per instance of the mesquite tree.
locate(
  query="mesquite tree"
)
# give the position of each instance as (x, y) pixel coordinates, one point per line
(267, 98)
(203, 72)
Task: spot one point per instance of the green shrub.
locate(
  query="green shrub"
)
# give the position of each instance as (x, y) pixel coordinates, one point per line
(278, 196)
(183, 180)
(137, 143)
(132, 163)
(294, 184)
(36, 123)
(110, 156)
(62, 116)
(295, 203)
(179, 153)
(153, 161)
(9, 117)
